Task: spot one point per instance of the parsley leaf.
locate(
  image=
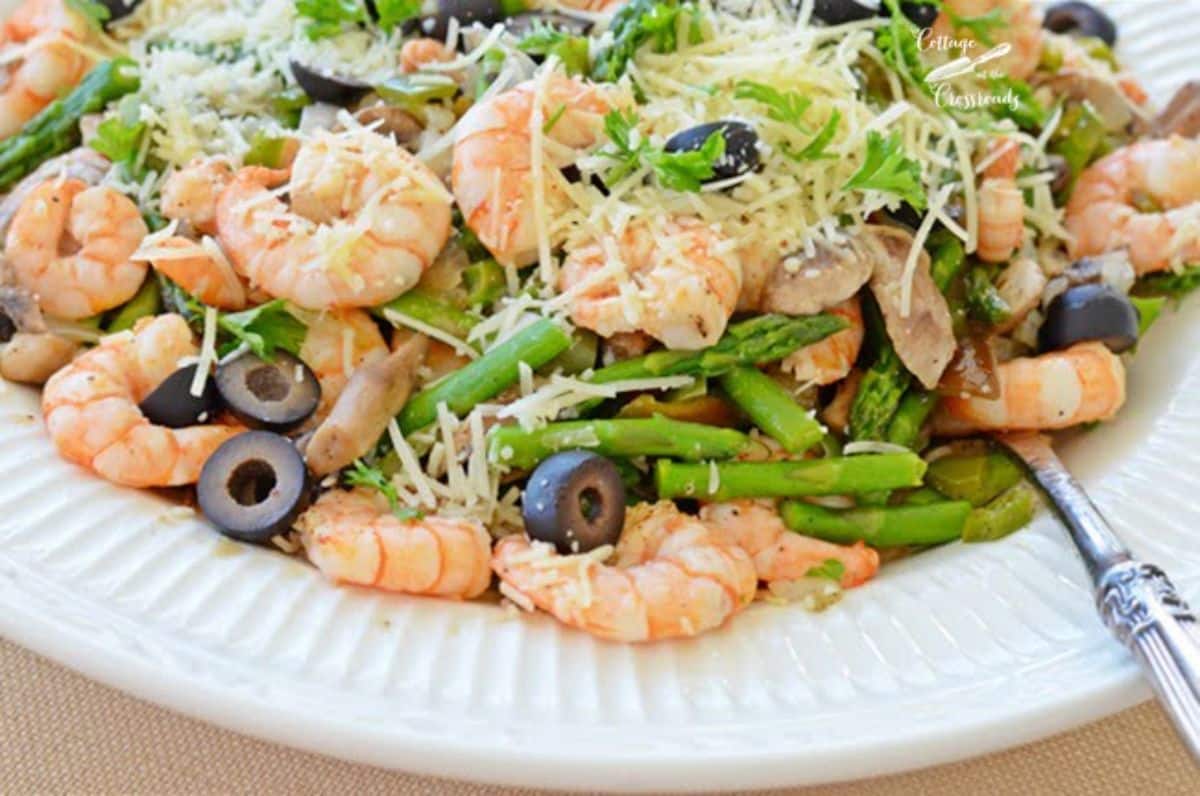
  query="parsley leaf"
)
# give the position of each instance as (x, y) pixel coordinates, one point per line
(815, 150)
(95, 13)
(899, 43)
(545, 41)
(679, 171)
(1175, 285)
(888, 169)
(265, 329)
(786, 107)
(831, 568)
(981, 26)
(394, 13)
(118, 141)
(329, 17)
(1029, 114)
(620, 127)
(639, 22)
(364, 475)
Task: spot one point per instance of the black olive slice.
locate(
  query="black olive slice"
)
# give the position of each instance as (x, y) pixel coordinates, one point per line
(575, 500)
(1080, 18)
(1091, 311)
(277, 395)
(741, 146)
(437, 24)
(326, 87)
(839, 12)
(172, 404)
(253, 486)
(119, 9)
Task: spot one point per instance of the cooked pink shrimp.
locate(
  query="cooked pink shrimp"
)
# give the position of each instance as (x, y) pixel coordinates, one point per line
(1021, 30)
(1001, 204)
(199, 271)
(829, 360)
(679, 283)
(1082, 384)
(42, 35)
(190, 194)
(337, 344)
(366, 219)
(782, 554)
(415, 53)
(70, 244)
(91, 409)
(672, 577)
(493, 158)
(1143, 198)
(352, 537)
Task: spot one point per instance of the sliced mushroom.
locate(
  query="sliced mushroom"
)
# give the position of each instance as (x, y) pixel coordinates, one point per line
(924, 335)
(79, 164)
(803, 285)
(19, 312)
(1182, 114)
(374, 395)
(1020, 285)
(32, 358)
(1113, 108)
(391, 120)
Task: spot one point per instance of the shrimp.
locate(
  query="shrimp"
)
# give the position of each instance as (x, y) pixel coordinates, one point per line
(91, 409)
(829, 360)
(70, 244)
(1144, 198)
(366, 219)
(672, 577)
(415, 53)
(40, 40)
(337, 344)
(679, 283)
(779, 553)
(33, 357)
(1082, 384)
(352, 537)
(199, 270)
(190, 194)
(1021, 31)
(1001, 204)
(493, 176)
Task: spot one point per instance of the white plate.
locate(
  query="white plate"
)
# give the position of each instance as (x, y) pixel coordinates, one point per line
(954, 653)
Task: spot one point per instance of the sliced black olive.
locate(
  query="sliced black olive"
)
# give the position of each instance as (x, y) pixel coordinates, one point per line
(907, 215)
(839, 12)
(741, 146)
(521, 25)
(437, 24)
(172, 404)
(118, 9)
(1080, 18)
(276, 395)
(326, 87)
(1089, 312)
(922, 15)
(575, 500)
(254, 486)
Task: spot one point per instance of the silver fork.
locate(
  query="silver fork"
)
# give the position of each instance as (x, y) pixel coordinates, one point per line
(1136, 600)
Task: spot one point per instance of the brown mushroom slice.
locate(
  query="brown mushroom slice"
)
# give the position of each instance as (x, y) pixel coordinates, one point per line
(1021, 285)
(1112, 107)
(391, 120)
(19, 312)
(374, 395)
(803, 285)
(32, 358)
(924, 335)
(1182, 114)
(82, 163)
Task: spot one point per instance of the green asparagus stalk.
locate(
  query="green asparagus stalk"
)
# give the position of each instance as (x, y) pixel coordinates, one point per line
(656, 436)
(485, 282)
(146, 302)
(915, 408)
(439, 314)
(879, 395)
(487, 376)
(772, 408)
(1011, 511)
(976, 478)
(889, 526)
(984, 302)
(56, 129)
(947, 260)
(831, 476)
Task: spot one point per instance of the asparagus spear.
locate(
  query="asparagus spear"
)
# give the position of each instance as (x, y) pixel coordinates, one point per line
(485, 282)
(1009, 512)
(144, 303)
(915, 408)
(487, 376)
(984, 302)
(879, 395)
(436, 313)
(831, 476)
(56, 129)
(772, 408)
(976, 478)
(947, 260)
(656, 436)
(890, 526)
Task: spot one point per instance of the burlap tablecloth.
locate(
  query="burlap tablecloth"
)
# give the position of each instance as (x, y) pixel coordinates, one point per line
(60, 733)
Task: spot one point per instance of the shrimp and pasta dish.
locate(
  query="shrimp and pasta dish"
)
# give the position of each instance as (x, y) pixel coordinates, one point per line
(629, 312)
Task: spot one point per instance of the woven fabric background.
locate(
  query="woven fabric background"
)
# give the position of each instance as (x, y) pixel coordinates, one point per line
(63, 734)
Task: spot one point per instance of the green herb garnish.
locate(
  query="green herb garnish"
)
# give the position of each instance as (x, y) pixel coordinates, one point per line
(887, 168)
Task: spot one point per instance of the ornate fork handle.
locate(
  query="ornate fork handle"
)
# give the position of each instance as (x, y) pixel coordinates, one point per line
(1137, 601)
